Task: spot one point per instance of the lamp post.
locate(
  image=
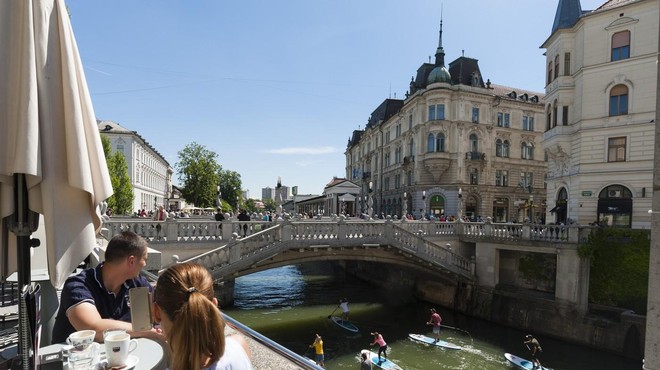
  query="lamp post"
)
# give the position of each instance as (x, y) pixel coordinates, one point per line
(342, 205)
(405, 207)
(459, 212)
(371, 200)
(219, 200)
(423, 205)
(531, 208)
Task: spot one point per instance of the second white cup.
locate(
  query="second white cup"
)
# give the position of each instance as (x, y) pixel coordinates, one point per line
(117, 347)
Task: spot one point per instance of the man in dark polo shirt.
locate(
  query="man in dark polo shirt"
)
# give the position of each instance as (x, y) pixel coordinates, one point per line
(97, 298)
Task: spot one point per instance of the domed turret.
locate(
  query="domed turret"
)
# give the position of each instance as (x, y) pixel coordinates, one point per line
(439, 73)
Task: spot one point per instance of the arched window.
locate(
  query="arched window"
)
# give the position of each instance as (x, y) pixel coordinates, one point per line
(526, 150)
(621, 45)
(549, 73)
(548, 122)
(430, 145)
(474, 143)
(615, 206)
(498, 148)
(556, 65)
(619, 100)
(554, 114)
(411, 148)
(505, 149)
(440, 143)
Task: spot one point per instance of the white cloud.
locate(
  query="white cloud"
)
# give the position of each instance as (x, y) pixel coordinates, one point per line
(309, 151)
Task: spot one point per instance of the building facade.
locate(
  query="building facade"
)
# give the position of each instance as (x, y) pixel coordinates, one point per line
(150, 173)
(600, 112)
(453, 136)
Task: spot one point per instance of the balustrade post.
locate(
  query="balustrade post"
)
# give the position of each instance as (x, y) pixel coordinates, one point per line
(526, 230)
(389, 230)
(473, 265)
(226, 229)
(285, 231)
(171, 230)
(341, 227)
(488, 227)
(573, 234)
(459, 227)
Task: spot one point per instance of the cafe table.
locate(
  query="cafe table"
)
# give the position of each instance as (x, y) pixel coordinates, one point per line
(150, 354)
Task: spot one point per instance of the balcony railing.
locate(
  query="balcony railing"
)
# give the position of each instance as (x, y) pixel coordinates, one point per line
(475, 156)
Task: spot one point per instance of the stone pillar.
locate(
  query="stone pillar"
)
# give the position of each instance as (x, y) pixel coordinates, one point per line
(171, 230)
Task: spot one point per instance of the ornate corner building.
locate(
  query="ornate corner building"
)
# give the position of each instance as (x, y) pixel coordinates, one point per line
(453, 136)
(600, 108)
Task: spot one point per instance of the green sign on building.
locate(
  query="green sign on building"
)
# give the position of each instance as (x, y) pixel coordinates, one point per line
(586, 193)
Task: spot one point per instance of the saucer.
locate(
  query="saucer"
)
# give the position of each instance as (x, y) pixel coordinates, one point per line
(130, 364)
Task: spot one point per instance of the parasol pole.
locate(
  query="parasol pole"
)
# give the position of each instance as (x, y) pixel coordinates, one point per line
(22, 223)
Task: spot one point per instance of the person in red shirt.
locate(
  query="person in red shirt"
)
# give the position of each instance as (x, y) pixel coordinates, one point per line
(435, 320)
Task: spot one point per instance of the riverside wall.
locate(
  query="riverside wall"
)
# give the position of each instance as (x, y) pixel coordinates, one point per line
(604, 328)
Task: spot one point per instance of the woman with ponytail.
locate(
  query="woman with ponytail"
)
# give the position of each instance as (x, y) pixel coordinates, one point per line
(188, 313)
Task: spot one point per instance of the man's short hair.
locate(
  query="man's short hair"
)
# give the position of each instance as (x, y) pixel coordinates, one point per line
(123, 245)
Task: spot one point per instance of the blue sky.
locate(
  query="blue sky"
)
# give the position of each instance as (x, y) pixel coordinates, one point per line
(276, 88)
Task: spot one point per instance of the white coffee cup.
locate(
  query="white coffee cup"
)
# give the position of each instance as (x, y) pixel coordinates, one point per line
(117, 347)
(80, 340)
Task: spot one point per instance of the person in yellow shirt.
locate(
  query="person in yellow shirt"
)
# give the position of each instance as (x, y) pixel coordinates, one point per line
(318, 348)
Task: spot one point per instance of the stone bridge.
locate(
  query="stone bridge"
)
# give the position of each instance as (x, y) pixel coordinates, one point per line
(448, 248)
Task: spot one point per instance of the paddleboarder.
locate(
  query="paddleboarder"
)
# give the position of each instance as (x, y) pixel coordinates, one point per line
(535, 347)
(365, 364)
(382, 346)
(435, 320)
(343, 303)
(318, 349)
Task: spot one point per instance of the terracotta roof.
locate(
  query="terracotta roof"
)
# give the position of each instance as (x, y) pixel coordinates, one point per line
(335, 181)
(505, 92)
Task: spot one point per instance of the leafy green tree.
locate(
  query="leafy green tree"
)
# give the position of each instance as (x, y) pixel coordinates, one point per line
(250, 206)
(198, 171)
(121, 201)
(619, 267)
(230, 186)
(269, 205)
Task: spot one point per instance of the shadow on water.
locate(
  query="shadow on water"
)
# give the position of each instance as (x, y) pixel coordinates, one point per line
(291, 304)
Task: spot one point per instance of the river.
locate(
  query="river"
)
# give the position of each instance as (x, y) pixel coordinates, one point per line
(290, 307)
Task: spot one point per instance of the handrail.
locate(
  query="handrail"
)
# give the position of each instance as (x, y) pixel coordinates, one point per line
(273, 346)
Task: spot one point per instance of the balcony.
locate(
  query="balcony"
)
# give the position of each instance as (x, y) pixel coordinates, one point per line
(408, 160)
(475, 156)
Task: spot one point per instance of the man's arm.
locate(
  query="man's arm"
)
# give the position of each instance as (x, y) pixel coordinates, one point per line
(85, 316)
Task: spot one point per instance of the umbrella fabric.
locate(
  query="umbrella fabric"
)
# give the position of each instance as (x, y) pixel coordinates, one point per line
(48, 131)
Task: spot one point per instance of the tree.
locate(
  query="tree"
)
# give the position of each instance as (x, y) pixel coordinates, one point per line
(269, 205)
(230, 186)
(198, 172)
(121, 201)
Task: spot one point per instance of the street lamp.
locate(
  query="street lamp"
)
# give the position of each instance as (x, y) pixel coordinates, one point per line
(405, 206)
(371, 199)
(423, 205)
(219, 200)
(531, 208)
(460, 204)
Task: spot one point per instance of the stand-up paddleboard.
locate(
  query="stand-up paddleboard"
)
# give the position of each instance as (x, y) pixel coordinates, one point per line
(344, 324)
(521, 362)
(384, 364)
(432, 342)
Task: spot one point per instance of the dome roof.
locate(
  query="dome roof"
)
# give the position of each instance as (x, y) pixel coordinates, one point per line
(439, 74)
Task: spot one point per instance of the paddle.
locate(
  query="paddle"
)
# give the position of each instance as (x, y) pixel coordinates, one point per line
(458, 329)
(333, 311)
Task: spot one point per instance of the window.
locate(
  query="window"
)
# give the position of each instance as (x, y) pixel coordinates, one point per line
(505, 149)
(616, 149)
(410, 178)
(386, 183)
(397, 155)
(619, 100)
(430, 145)
(410, 120)
(526, 180)
(501, 178)
(474, 143)
(526, 150)
(564, 116)
(567, 64)
(548, 122)
(498, 147)
(474, 176)
(120, 148)
(527, 123)
(386, 159)
(554, 114)
(503, 119)
(556, 65)
(397, 181)
(387, 136)
(440, 143)
(507, 116)
(411, 148)
(549, 79)
(621, 45)
(475, 115)
(397, 132)
(436, 112)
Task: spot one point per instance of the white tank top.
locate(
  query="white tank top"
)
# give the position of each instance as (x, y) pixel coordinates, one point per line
(234, 357)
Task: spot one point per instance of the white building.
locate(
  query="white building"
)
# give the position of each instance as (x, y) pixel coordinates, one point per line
(600, 112)
(150, 173)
